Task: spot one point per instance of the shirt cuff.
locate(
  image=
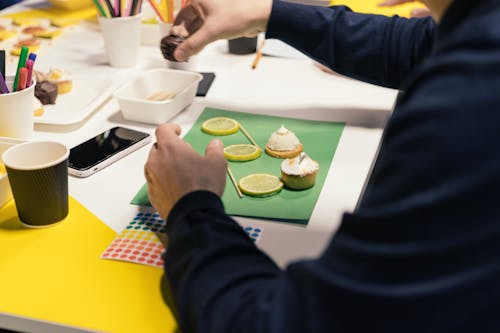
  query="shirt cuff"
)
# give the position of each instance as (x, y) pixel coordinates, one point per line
(193, 201)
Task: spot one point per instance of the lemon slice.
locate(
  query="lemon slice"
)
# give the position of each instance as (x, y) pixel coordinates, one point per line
(220, 126)
(260, 185)
(241, 152)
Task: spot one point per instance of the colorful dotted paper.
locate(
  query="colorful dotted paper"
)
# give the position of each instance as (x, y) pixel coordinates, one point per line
(139, 242)
(253, 233)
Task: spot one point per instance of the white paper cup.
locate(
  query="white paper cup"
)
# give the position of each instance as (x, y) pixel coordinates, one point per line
(16, 112)
(122, 37)
(38, 176)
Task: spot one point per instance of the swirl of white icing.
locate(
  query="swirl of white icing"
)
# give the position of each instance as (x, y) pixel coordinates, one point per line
(283, 140)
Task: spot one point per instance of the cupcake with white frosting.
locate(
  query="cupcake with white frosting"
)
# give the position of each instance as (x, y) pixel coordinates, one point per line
(283, 143)
(300, 172)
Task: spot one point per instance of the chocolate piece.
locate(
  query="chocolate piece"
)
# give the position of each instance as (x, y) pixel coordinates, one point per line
(169, 44)
(46, 92)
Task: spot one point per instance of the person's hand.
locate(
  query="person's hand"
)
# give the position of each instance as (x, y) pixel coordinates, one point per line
(175, 169)
(209, 20)
(389, 3)
(418, 12)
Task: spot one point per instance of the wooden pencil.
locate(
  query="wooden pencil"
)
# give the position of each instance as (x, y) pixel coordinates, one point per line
(258, 55)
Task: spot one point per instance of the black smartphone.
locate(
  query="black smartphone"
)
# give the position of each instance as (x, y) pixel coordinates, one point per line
(105, 148)
(205, 83)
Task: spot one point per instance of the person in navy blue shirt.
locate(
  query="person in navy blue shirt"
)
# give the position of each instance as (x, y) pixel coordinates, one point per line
(7, 3)
(421, 251)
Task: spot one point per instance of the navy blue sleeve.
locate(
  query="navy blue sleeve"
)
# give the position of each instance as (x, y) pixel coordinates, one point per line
(218, 277)
(372, 48)
(420, 254)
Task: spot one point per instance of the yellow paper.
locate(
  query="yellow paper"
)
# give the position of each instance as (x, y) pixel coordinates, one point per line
(371, 7)
(55, 274)
(6, 34)
(58, 17)
(25, 21)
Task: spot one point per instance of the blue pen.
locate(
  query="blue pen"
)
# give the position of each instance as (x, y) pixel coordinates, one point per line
(3, 85)
(32, 56)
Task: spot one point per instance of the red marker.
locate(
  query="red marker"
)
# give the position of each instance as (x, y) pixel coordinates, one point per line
(23, 76)
(29, 67)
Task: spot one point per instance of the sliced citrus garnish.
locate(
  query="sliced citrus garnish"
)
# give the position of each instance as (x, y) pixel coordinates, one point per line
(241, 152)
(260, 185)
(220, 126)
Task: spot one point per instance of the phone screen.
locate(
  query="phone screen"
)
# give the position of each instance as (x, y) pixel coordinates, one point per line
(102, 146)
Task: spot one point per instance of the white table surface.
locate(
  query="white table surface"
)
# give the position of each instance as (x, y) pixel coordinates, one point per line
(292, 87)
(279, 86)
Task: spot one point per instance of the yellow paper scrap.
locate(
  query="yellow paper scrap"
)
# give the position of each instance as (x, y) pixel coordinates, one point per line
(6, 34)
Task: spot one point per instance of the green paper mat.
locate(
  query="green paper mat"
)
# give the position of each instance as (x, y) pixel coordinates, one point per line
(320, 140)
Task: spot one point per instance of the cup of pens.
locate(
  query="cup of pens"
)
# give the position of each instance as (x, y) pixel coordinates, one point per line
(17, 97)
(121, 29)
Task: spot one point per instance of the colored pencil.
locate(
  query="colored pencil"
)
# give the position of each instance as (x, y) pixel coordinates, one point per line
(128, 8)
(258, 55)
(21, 63)
(2, 62)
(110, 8)
(99, 8)
(164, 8)
(133, 7)
(23, 77)
(157, 10)
(3, 85)
(139, 7)
(29, 67)
(171, 9)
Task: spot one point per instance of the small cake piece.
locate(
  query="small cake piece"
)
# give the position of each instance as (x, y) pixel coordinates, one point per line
(46, 92)
(169, 44)
(33, 29)
(48, 34)
(39, 76)
(62, 79)
(283, 144)
(300, 172)
(30, 42)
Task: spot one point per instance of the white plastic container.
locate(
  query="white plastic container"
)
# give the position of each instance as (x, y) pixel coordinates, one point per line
(5, 192)
(133, 96)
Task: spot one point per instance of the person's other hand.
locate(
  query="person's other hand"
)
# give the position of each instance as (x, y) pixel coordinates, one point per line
(175, 169)
(210, 20)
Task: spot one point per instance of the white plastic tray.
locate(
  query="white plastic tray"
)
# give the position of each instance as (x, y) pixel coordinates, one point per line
(90, 90)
